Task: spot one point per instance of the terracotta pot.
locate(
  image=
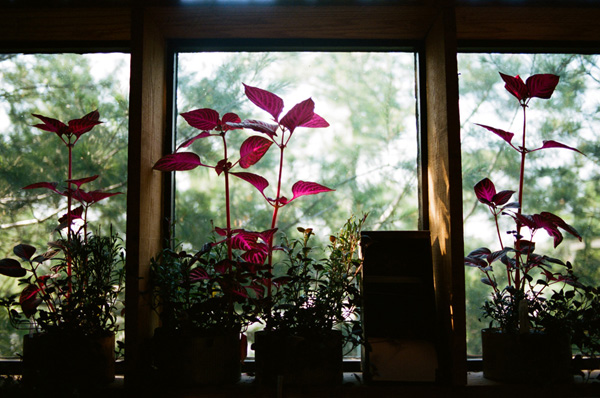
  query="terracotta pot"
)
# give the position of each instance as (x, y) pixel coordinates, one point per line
(80, 361)
(184, 358)
(298, 360)
(535, 357)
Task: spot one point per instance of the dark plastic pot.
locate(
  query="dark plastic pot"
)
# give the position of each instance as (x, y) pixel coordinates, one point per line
(534, 357)
(293, 360)
(185, 358)
(79, 361)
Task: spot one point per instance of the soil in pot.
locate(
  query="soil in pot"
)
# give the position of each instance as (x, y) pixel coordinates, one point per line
(295, 360)
(69, 360)
(192, 357)
(534, 357)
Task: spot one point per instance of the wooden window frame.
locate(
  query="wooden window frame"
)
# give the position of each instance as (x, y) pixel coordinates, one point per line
(437, 27)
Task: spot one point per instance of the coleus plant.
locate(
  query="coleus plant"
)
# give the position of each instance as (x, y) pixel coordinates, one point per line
(52, 285)
(528, 274)
(256, 247)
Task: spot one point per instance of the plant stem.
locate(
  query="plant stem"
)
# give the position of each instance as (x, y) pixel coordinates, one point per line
(521, 184)
(227, 202)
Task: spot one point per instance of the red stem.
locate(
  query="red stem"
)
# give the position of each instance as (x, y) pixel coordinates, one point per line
(227, 203)
(521, 184)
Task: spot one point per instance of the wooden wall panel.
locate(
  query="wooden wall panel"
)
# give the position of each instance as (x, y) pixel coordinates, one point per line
(445, 194)
(145, 187)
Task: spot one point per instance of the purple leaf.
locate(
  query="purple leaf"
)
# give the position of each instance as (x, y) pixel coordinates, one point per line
(505, 135)
(265, 100)
(24, 251)
(52, 125)
(316, 122)
(475, 262)
(554, 144)
(198, 274)
(78, 127)
(202, 119)
(541, 85)
(178, 161)
(488, 281)
(49, 185)
(29, 300)
(190, 141)
(481, 252)
(485, 191)
(257, 125)
(93, 196)
(259, 182)
(502, 197)
(302, 188)
(254, 256)
(11, 267)
(559, 222)
(228, 120)
(253, 149)
(300, 114)
(80, 181)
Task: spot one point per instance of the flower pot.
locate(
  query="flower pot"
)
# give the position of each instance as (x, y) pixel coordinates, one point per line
(194, 357)
(533, 357)
(65, 358)
(295, 360)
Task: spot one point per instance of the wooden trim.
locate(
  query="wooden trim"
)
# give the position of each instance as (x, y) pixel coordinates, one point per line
(145, 187)
(445, 194)
(528, 23)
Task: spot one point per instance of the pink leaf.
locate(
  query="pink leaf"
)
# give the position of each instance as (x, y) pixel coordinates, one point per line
(485, 191)
(541, 85)
(190, 141)
(300, 114)
(202, 119)
(505, 135)
(253, 149)
(178, 161)
(302, 188)
(265, 100)
(11, 267)
(198, 274)
(254, 256)
(257, 125)
(259, 182)
(554, 144)
(502, 197)
(316, 122)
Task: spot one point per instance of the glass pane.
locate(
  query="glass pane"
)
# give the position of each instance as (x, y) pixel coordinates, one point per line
(556, 180)
(63, 87)
(368, 154)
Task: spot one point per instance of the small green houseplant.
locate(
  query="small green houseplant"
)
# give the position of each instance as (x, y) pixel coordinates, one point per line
(530, 305)
(72, 290)
(251, 258)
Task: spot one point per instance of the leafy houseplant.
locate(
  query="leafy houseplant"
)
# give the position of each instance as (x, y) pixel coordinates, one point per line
(244, 273)
(526, 312)
(71, 291)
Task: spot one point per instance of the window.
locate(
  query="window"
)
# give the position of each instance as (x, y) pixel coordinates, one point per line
(64, 87)
(557, 180)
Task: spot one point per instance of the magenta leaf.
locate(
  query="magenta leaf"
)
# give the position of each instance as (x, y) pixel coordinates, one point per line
(198, 274)
(502, 197)
(93, 196)
(52, 125)
(253, 149)
(559, 222)
(80, 181)
(265, 100)
(255, 256)
(257, 125)
(505, 135)
(316, 122)
(202, 119)
(515, 86)
(554, 144)
(178, 161)
(542, 85)
(267, 235)
(24, 251)
(228, 120)
(49, 185)
(190, 141)
(11, 267)
(78, 127)
(303, 188)
(259, 182)
(300, 114)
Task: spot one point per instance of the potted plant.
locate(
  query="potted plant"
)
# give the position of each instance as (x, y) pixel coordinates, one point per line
(71, 291)
(313, 313)
(529, 335)
(251, 256)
